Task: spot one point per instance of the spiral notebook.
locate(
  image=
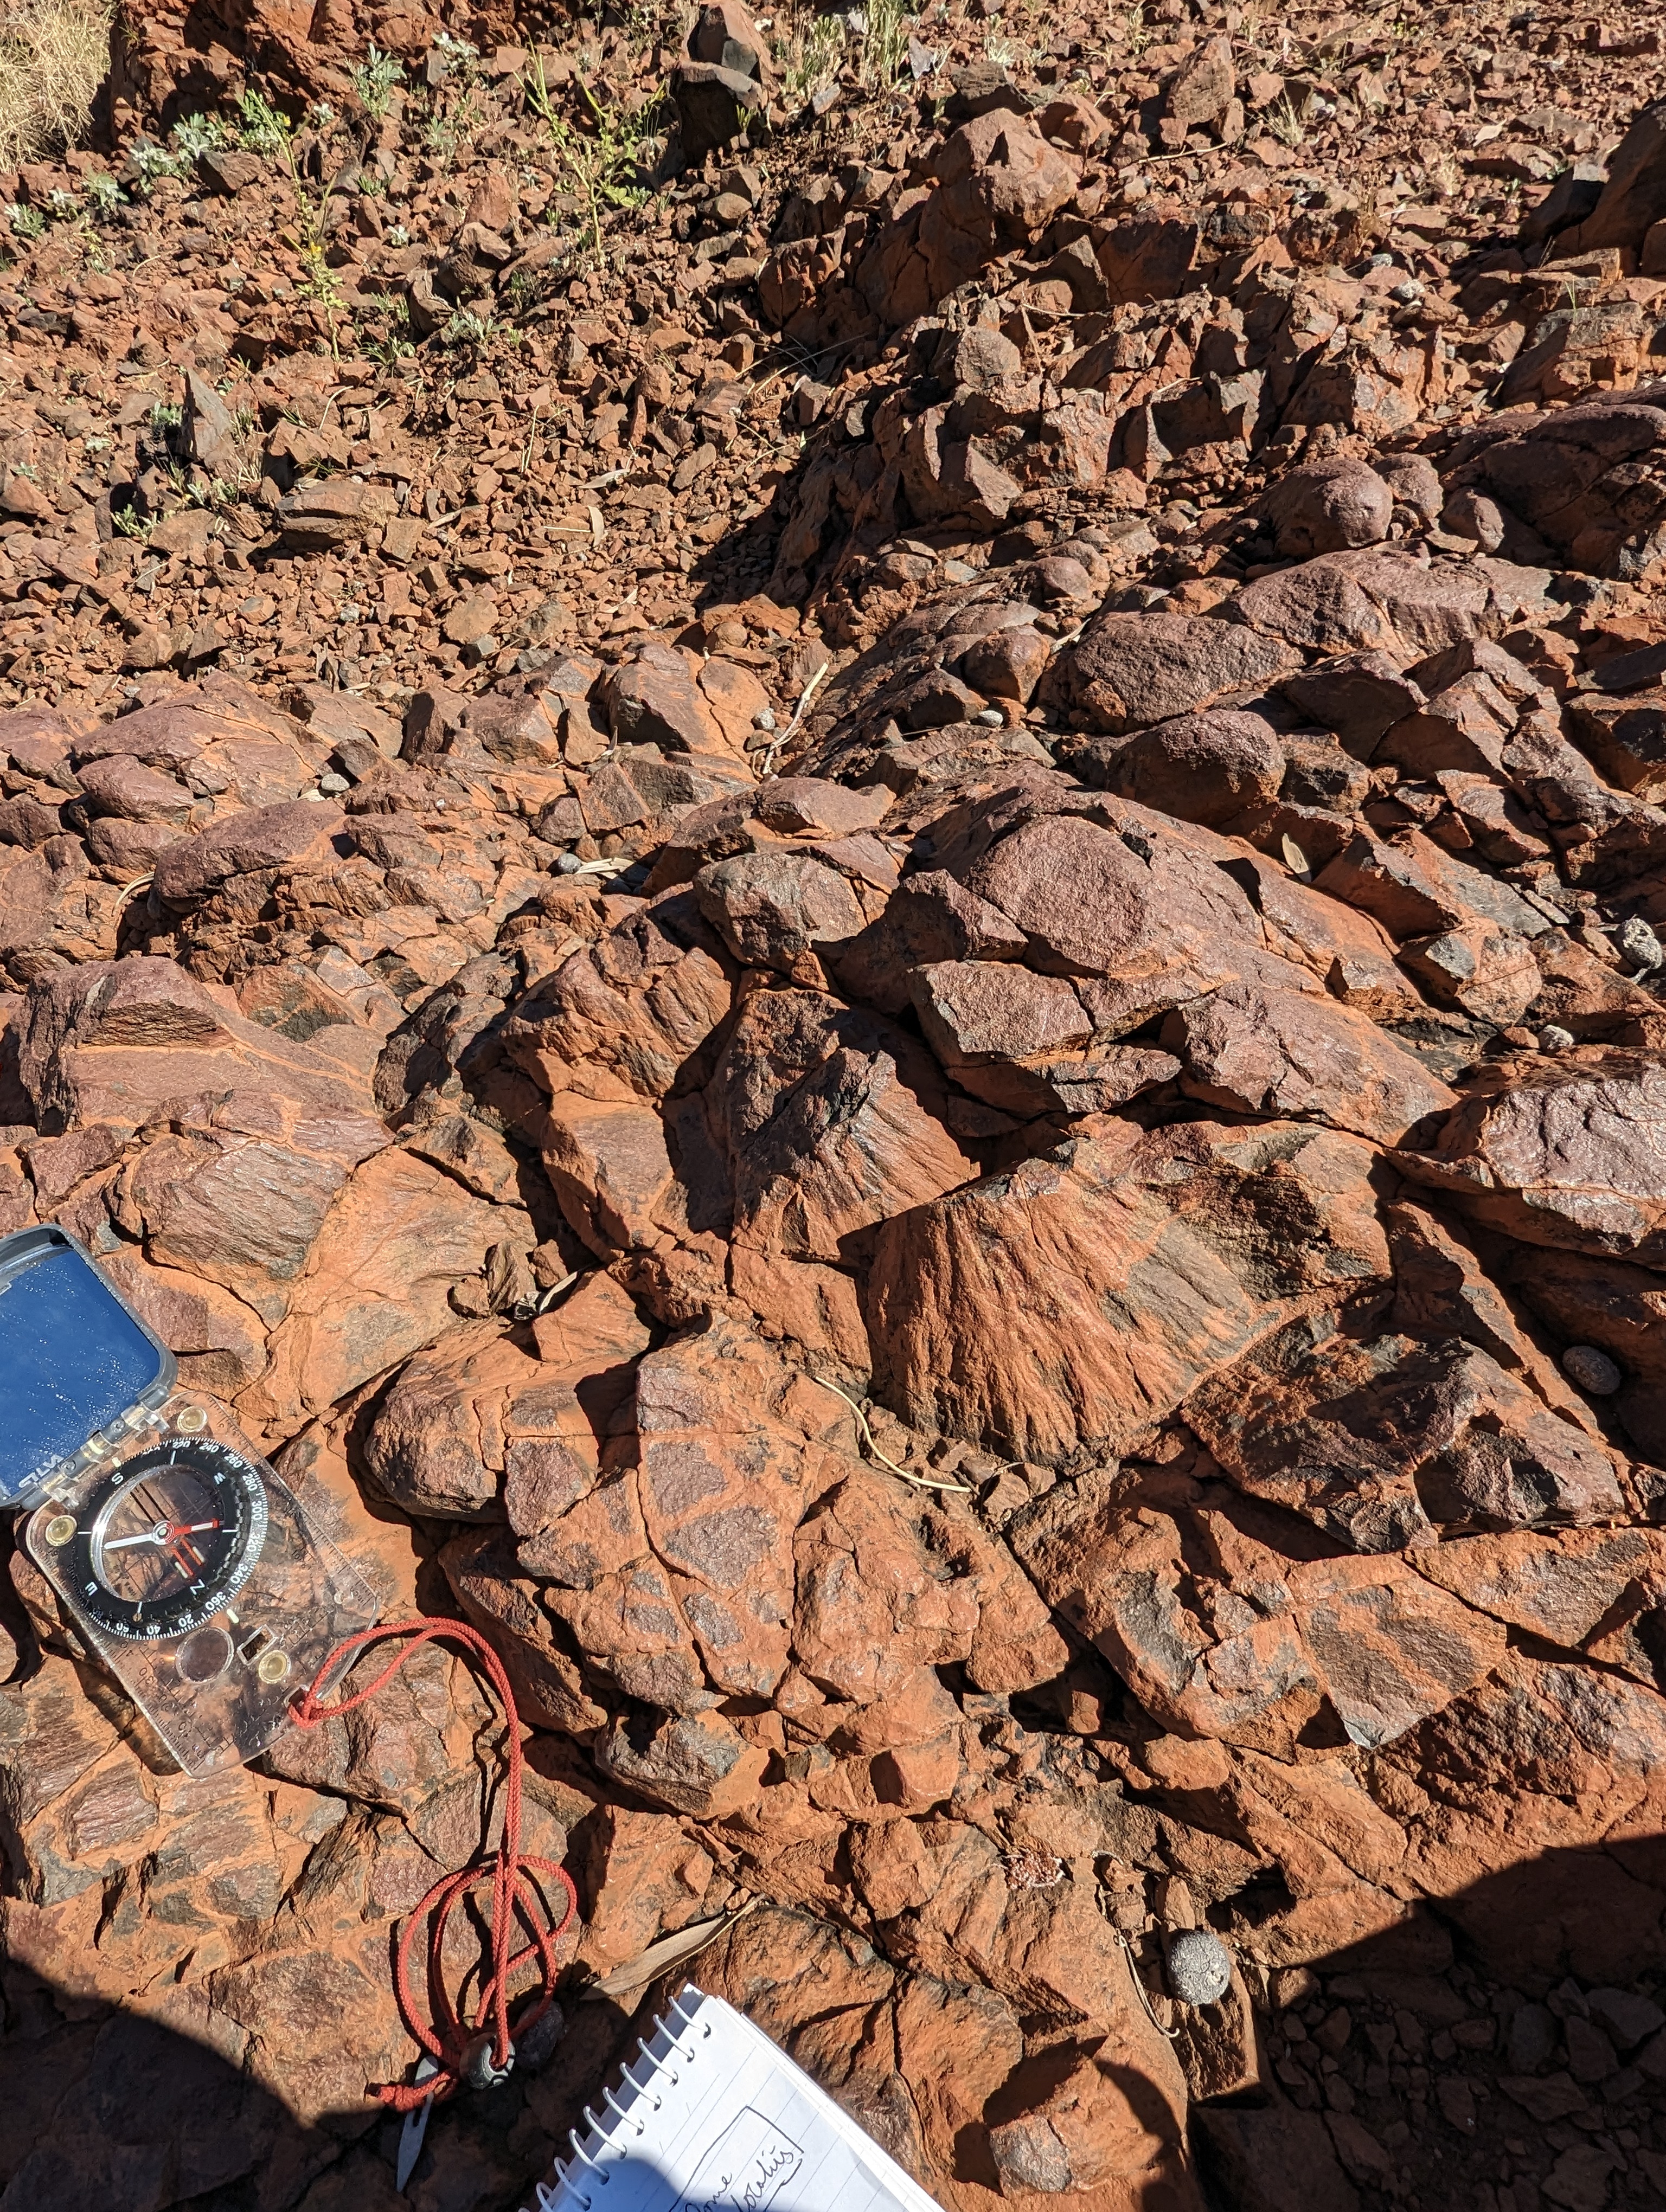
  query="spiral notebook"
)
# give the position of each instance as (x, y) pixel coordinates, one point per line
(712, 2117)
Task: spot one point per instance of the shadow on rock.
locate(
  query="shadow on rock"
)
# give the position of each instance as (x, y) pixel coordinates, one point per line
(1505, 2046)
(142, 2110)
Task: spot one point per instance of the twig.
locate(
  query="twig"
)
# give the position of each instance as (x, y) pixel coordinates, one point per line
(669, 1951)
(1172, 2034)
(920, 1481)
(799, 713)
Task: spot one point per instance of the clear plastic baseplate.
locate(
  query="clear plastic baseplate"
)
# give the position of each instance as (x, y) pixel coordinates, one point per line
(194, 1574)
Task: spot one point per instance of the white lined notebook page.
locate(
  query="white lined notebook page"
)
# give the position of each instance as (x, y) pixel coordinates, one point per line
(713, 2117)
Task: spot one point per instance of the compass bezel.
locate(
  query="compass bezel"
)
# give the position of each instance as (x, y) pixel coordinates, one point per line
(230, 1477)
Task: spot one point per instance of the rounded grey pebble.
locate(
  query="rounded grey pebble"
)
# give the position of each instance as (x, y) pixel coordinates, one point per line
(1591, 1370)
(567, 864)
(991, 717)
(764, 718)
(1200, 1966)
(1639, 942)
(1553, 1039)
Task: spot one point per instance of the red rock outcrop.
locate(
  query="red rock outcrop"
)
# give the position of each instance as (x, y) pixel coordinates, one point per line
(1000, 1212)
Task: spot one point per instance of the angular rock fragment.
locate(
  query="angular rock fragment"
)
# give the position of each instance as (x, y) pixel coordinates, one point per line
(1626, 738)
(1127, 672)
(1379, 598)
(1208, 768)
(1280, 1052)
(1079, 1296)
(1633, 196)
(1600, 1590)
(1572, 476)
(1360, 695)
(1570, 1155)
(320, 518)
(776, 909)
(1380, 1440)
(473, 1429)
(832, 1121)
(1231, 1624)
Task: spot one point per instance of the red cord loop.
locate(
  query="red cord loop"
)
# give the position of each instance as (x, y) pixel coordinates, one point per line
(448, 2040)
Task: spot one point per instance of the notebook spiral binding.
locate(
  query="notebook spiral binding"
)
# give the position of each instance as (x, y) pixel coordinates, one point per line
(599, 2131)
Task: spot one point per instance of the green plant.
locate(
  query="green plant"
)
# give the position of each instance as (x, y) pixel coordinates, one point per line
(466, 328)
(54, 54)
(1008, 53)
(262, 128)
(131, 523)
(211, 492)
(319, 283)
(396, 235)
(393, 344)
(64, 206)
(603, 159)
(193, 136)
(104, 194)
(812, 52)
(268, 130)
(167, 415)
(446, 128)
(886, 42)
(374, 80)
(25, 222)
(150, 161)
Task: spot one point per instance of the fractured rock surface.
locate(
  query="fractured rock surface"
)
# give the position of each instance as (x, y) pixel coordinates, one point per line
(886, 971)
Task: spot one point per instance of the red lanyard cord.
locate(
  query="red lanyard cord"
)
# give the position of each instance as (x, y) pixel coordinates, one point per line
(445, 2036)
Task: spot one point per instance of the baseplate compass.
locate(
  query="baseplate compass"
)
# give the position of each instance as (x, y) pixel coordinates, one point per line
(184, 1562)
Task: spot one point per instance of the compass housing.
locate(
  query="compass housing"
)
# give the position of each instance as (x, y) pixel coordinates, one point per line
(167, 1537)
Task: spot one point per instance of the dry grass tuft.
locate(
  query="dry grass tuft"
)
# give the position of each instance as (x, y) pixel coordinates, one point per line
(54, 55)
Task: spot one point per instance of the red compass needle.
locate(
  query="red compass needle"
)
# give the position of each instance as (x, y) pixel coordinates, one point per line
(187, 1554)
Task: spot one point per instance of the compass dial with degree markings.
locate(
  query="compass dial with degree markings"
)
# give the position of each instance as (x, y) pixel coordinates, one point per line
(166, 1540)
